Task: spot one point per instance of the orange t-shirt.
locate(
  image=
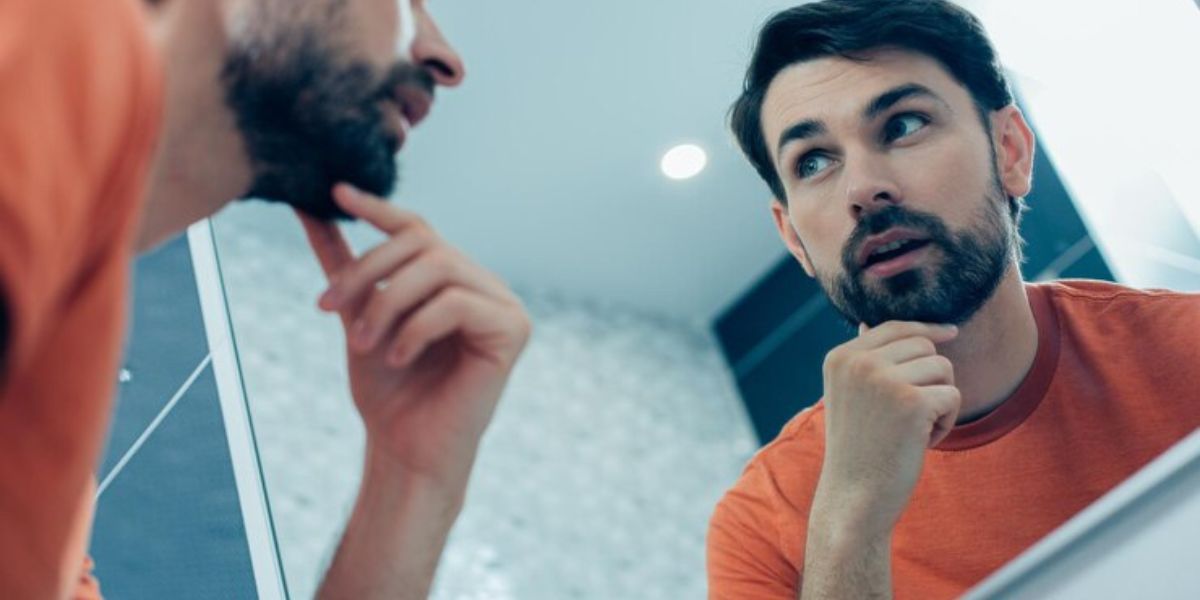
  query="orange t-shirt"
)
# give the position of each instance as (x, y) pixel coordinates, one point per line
(80, 99)
(1114, 384)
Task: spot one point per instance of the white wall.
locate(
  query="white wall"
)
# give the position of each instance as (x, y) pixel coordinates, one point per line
(1112, 89)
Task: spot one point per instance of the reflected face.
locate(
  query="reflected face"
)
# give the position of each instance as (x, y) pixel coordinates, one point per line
(894, 202)
(326, 92)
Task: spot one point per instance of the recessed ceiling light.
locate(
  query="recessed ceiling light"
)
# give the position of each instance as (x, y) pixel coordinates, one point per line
(684, 161)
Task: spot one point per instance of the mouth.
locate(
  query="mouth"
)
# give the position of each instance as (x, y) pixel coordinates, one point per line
(892, 252)
(405, 108)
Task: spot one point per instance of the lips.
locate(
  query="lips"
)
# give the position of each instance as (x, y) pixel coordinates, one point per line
(890, 244)
(414, 101)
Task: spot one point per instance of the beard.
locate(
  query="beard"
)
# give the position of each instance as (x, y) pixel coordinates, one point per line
(973, 262)
(310, 120)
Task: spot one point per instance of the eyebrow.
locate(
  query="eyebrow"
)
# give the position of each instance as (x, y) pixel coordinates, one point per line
(889, 98)
(811, 128)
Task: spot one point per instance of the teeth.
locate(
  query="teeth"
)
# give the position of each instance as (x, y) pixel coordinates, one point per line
(889, 247)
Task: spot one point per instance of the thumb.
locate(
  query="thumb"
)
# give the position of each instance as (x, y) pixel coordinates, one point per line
(862, 328)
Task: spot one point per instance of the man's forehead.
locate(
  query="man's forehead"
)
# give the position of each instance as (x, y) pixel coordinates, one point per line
(832, 86)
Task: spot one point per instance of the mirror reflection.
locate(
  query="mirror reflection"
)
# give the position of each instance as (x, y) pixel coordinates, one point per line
(846, 298)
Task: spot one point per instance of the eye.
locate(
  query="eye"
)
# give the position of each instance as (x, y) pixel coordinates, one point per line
(812, 164)
(903, 125)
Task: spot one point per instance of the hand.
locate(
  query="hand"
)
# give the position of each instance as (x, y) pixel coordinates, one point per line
(431, 337)
(888, 396)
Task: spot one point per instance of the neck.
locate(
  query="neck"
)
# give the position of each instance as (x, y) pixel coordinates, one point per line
(200, 163)
(995, 349)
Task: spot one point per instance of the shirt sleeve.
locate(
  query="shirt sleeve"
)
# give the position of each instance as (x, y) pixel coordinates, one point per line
(745, 561)
(76, 133)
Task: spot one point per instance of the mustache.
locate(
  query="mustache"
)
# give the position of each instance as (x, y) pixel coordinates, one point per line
(407, 74)
(892, 216)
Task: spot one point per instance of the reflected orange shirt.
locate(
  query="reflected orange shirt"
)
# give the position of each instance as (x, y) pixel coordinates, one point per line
(1116, 381)
(80, 95)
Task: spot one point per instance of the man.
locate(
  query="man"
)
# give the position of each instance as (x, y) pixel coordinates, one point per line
(974, 412)
(271, 98)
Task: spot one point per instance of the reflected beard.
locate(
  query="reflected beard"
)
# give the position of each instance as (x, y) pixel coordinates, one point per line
(309, 123)
(973, 262)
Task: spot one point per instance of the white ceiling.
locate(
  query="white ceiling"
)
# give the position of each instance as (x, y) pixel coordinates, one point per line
(544, 164)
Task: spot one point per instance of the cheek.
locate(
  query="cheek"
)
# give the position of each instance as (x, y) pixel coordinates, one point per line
(948, 179)
(824, 235)
(375, 27)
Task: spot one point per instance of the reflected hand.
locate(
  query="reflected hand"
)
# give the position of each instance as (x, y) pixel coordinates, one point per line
(431, 336)
(889, 395)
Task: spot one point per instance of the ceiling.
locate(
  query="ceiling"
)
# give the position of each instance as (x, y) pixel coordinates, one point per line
(543, 166)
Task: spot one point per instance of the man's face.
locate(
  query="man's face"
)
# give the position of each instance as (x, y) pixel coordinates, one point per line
(893, 198)
(326, 91)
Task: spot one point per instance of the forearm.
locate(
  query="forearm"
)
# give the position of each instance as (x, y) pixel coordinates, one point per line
(394, 537)
(841, 561)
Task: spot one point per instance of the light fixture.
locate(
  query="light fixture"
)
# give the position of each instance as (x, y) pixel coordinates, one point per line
(684, 161)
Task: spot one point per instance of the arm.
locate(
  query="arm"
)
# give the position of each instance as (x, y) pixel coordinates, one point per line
(394, 537)
(889, 396)
(432, 340)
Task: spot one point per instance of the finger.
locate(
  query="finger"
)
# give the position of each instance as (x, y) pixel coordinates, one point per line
(419, 280)
(907, 349)
(928, 370)
(333, 253)
(896, 330)
(946, 401)
(373, 210)
(862, 328)
(359, 278)
(489, 327)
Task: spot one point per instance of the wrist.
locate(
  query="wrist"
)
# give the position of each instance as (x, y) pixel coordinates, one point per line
(390, 481)
(843, 523)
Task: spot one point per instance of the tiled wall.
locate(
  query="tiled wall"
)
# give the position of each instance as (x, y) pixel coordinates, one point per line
(616, 437)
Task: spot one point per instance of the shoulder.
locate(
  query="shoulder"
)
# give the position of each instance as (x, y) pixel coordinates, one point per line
(767, 505)
(792, 457)
(80, 89)
(1148, 322)
(1099, 300)
(1087, 292)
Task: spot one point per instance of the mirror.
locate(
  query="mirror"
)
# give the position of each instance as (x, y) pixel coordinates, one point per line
(634, 407)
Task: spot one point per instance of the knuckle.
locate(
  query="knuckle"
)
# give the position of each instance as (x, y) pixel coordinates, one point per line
(834, 360)
(415, 222)
(864, 365)
(908, 396)
(437, 261)
(456, 298)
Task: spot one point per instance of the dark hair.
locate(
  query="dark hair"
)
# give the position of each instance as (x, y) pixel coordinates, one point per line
(849, 28)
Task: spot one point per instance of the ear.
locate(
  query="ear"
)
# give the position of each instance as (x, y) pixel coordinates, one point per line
(791, 239)
(1014, 143)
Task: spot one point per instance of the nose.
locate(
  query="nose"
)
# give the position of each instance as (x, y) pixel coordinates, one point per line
(435, 54)
(870, 187)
